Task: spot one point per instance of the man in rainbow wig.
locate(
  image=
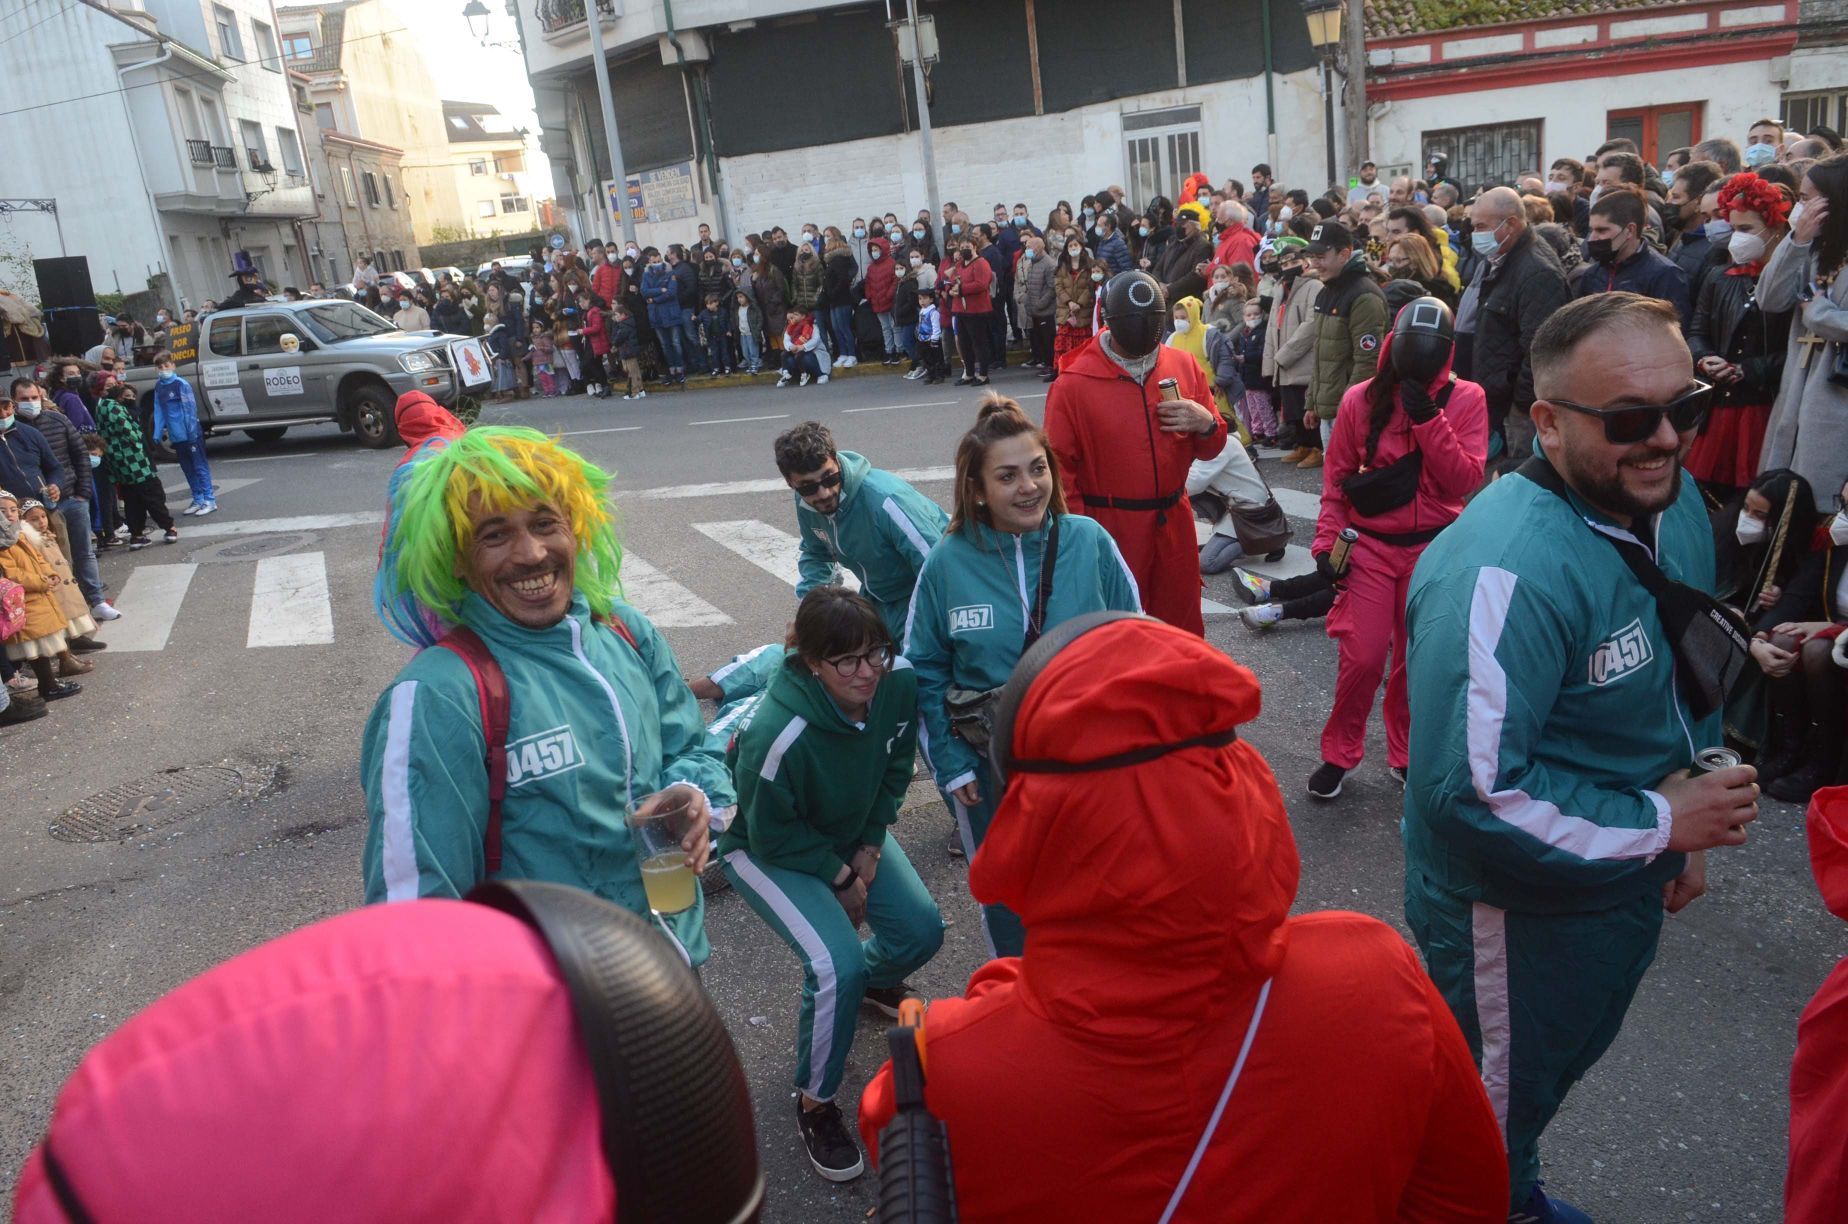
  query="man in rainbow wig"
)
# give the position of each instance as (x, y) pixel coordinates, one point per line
(507, 533)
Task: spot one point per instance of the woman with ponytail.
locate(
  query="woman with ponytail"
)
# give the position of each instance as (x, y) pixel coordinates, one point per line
(1408, 446)
(1738, 345)
(1012, 564)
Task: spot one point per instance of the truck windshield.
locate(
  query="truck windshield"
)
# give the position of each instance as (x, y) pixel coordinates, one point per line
(336, 321)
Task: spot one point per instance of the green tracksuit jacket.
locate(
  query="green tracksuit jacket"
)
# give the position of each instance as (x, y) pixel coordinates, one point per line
(882, 531)
(594, 722)
(968, 618)
(1544, 705)
(812, 786)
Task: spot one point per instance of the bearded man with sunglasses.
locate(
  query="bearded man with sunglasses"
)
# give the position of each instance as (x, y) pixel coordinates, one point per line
(1550, 820)
(851, 514)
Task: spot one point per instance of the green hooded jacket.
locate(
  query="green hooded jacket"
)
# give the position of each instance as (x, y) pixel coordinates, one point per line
(812, 786)
(882, 530)
(593, 724)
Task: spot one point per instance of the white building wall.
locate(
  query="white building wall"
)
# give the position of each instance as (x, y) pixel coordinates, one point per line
(1574, 113)
(1037, 160)
(1814, 69)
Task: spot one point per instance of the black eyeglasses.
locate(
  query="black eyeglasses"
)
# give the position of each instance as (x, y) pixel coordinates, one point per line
(848, 665)
(809, 488)
(1633, 423)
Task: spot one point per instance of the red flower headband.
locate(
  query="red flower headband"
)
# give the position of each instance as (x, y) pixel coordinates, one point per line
(1749, 193)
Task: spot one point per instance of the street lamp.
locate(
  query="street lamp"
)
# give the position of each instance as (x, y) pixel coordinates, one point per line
(477, 14)
(1324, 35)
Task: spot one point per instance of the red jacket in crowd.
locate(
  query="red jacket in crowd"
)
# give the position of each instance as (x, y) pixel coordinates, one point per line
(976, 280)
(606, 282)
(881, 277)
(1816, 1184)
(1077, 1081)
(1238, 246)
(1454, 443)
(1111, 448)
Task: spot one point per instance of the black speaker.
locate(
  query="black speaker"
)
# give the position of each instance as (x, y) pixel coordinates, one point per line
(72, 325)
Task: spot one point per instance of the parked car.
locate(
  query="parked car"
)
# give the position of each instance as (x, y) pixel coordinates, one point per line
(348, 366)
(520, 267)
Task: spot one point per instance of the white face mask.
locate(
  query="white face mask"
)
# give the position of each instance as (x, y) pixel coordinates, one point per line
(1718, 231)
(917, 260)
(1183, 326)
(1796, 213)
(1285, 213)
(1751, 530)
(1097, 276)
(1838, 527)
(1746, 248)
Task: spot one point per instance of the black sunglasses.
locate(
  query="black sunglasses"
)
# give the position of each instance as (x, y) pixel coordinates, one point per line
(809, 488)
(1633, 423)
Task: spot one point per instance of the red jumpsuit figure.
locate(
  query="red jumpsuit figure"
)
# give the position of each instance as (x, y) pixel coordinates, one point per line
(1408, 447)
(1099, 1076)
(1124, 455)
(1817, 1177)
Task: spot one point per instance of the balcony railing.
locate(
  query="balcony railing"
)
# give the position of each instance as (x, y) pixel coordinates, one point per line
(224, 157)
(555, 15)
(200, 151)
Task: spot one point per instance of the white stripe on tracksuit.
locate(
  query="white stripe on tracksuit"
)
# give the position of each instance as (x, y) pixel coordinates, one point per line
(397, 836)
(815, 948)
(1489, 936)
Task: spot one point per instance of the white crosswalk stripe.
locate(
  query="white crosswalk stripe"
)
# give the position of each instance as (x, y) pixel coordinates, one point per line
(770, 549)
(289, 602)
(664, 601)
(152, 595)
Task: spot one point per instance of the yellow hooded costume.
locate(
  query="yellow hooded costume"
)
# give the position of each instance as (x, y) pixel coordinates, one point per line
(1193, 342)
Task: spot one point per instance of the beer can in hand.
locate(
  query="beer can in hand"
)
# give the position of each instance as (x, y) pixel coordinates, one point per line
(1707, 760)
(1170, 388)
(1338, 555)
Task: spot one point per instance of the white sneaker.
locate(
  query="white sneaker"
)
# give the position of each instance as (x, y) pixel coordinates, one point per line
(915, 374)
(104, 612)
(641, 395)
(206, 509)
(1264, 616)
(782, 380)
(848, 361)
(822, 379)
(804, 380)
(192, 509)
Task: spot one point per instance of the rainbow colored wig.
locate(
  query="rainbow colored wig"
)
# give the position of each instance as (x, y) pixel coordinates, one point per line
(496, 468)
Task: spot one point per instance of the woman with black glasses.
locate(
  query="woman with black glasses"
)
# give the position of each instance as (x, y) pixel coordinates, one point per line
(821, 769)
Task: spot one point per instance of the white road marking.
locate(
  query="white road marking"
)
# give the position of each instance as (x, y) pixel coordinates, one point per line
(664, 601)
(578, 433)
(1296, 560)
(222, 486)
(269, 458)
(775, 416)
(1298, 504)
(289, 602)
(768, 548)
(892, 407)
(1209, 607)
(149, 603)
(190, 529)
(1029, 395)
(736, 488)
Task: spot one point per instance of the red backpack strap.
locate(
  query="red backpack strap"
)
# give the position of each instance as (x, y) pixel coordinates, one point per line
(492, 696)
(622, 631)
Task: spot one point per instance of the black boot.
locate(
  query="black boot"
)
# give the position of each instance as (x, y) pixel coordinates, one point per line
(1783, 748)
(1821, 753)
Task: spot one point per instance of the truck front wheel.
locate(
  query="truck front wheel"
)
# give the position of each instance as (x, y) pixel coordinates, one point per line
(372, 418)
(268, 436)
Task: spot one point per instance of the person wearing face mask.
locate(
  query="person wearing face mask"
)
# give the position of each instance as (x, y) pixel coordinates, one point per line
(1738, 345)
(1408, 448)
(1804, 275)
(1125, 443)
(1517, 285)
(1036, 301)
(770, 289)
(1797, 644)
(70, 501)
(968, 280)
(664, 316)
(1350, 326)
(1289, 346)
(880, 285)
(606, 276)
(1764, 141)
(915, 277)
(1075, 285)
(1774, 527)
(69, 395)
(1622, 260)
(1696, 240)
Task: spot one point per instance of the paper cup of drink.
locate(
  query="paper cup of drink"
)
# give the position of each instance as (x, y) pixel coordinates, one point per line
(658, 822)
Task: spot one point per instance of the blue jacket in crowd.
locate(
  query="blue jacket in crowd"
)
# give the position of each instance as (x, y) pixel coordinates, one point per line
(27, 464)
(1115, 253)
(661, 294)
(176, 412)
(1648, 272)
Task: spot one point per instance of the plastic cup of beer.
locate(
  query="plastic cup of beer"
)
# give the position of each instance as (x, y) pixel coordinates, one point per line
(658, 823)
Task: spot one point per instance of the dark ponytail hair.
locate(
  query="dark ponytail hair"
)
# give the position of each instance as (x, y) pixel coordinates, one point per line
(1382, 397)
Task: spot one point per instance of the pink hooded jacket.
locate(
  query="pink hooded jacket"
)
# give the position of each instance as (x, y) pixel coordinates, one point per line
(399, 1062)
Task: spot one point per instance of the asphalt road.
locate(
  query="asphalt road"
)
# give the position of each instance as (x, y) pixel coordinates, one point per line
(1684, 1120)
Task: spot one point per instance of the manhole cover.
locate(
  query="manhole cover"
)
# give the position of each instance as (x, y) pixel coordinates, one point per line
(252, 548)
(150, 803)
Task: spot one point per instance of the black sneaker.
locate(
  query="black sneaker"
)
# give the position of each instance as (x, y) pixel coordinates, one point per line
(70, 688)
(887, 999)
(1398, 773)
(831, 1148)
(1325, 783)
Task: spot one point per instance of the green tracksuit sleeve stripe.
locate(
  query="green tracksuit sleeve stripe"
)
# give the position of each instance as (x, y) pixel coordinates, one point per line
(907, 531)
(1533, 821)
(426, 794)
(778, 834)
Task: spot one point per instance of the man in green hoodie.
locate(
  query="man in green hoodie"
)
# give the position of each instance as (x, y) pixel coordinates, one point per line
(598, 714)
(850, 513)
(1550, 819)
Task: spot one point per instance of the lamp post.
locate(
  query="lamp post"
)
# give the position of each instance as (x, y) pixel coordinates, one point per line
(1325, 35)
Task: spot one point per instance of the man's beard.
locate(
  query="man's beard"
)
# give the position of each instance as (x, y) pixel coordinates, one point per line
(1608, 493)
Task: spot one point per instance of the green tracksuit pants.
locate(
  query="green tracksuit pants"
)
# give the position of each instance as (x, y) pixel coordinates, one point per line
(1006, 935)
(837, 965)
(1539, 996)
